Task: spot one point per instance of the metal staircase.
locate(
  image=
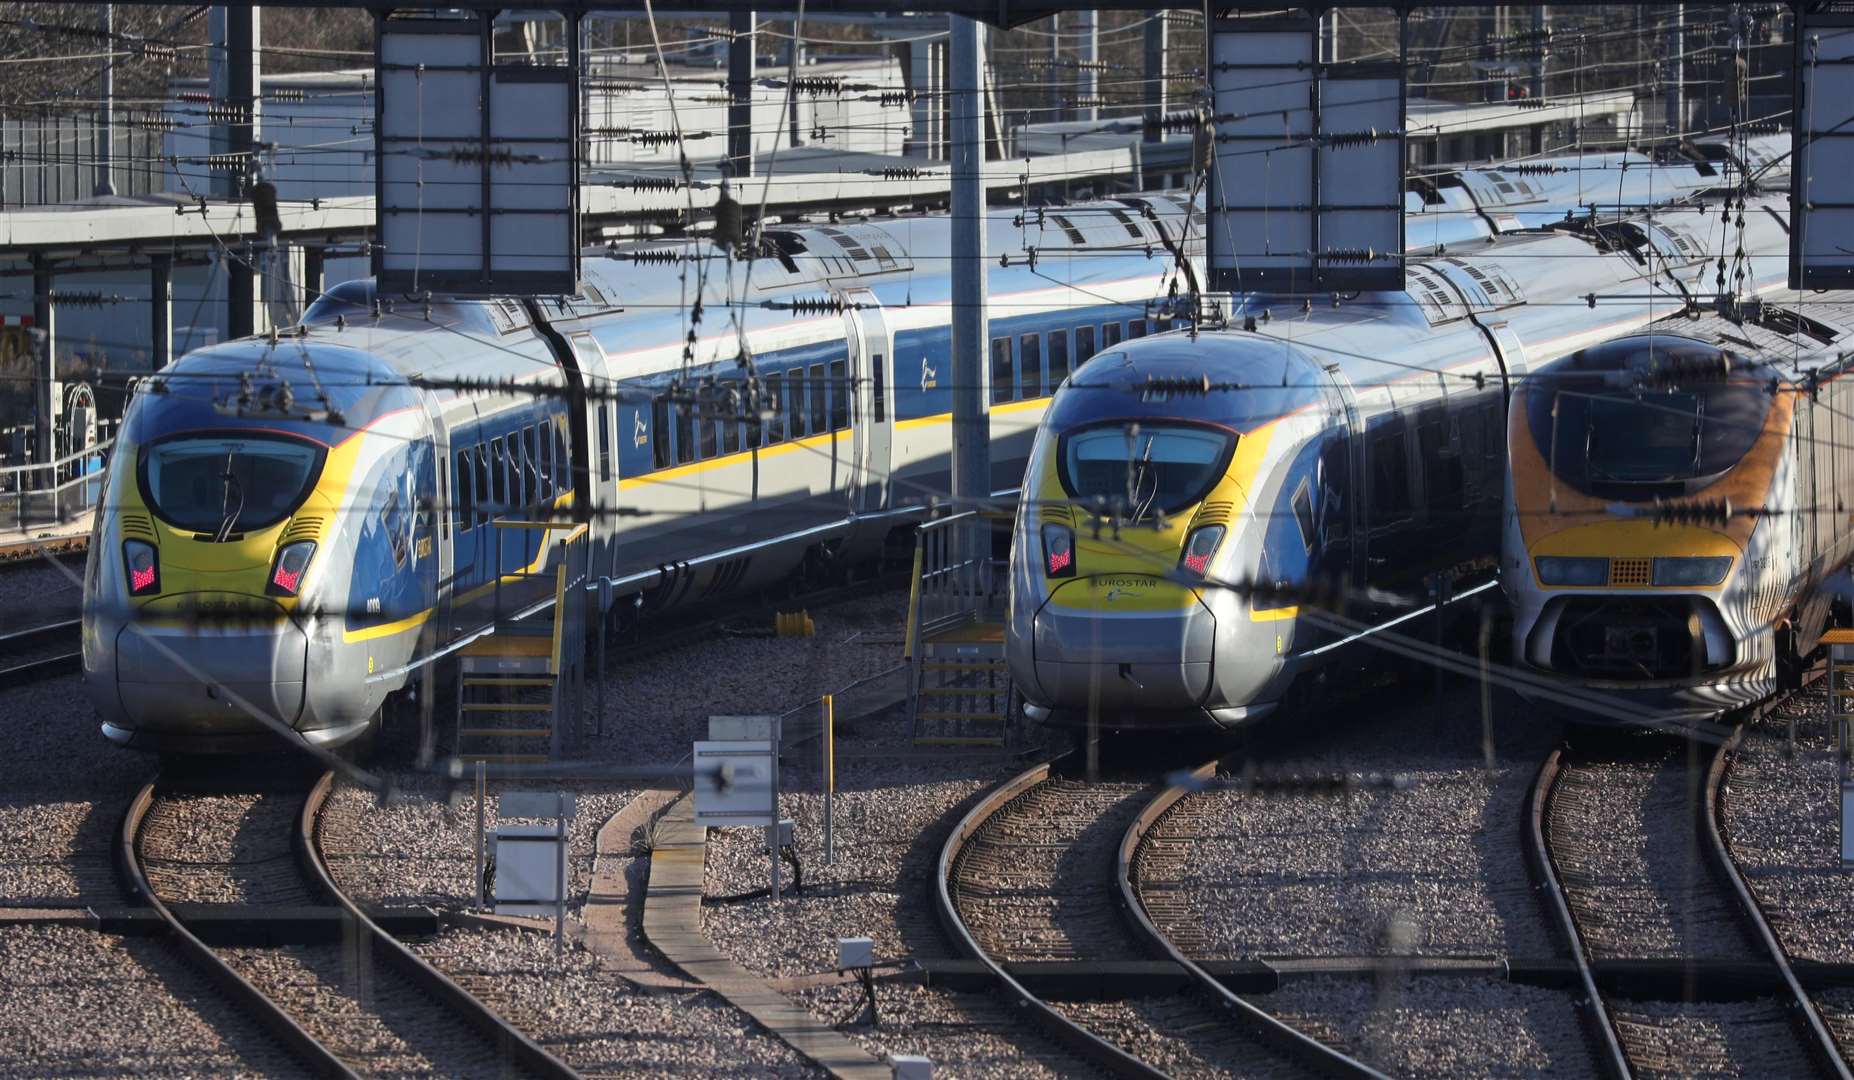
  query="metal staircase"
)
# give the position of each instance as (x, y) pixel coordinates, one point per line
(521, 687)
(959, 684)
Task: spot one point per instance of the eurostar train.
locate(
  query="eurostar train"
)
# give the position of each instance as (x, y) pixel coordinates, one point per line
(1359, 442)
(1678, 507)
(291, 527)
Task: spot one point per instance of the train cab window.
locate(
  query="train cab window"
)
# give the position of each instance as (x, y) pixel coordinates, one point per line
(563, 465)
(1136, 328)
(1030, 364)
(605, 441)
(775, 409)
(839, 395)
(1110, 335)
(1058, 358)
(685, 435)
(820, 407)
(461, 488)
(1303, 514)
(1001, 384)
(659, 438)
(878, 384)
(1084, 344)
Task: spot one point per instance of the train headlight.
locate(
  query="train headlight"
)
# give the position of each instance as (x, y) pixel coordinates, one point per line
(1692, 570)
(144, 566)
(1058, 551)
(1563, 570)
(286, 577)
(1199, 547)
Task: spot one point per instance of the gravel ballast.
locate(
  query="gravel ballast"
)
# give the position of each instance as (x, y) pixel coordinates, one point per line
(1439, 1025)
(1436, 864)
(78, 1003)
(1782, 821)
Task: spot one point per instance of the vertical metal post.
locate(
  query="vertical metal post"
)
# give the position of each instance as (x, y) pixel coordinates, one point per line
(45, 372)
(482, 796)
(106, 96)
(741, 57)
(560, 881)
(315, 273)
(161, 311)
(1541, 25)
(1087, 51)
(1676, 73)
(1056, 81)
(830, 774)
(795, 61)
(233, 70)
(971, 375)
(1154, 79)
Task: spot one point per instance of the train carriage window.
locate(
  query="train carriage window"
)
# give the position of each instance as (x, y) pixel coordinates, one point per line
(531, 464)
(753, 428)
(820, 406)
(1084, 344)
(519, 490)
(1136, 328)
(730, 435)
(1390, 474)
(795, 402)
(1110, 335)
(541, 449)
(659, 437)
(1030, 363)
(839, 395)
(563, 465)
(461, 489)
(685, 434)
(499, 472)
(1058, 358)
(484, 489)
(775, 409)
(878, 385)
(1001, 384)
(710, 436)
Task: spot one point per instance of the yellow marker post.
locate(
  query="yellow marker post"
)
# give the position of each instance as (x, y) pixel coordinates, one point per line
(830, 770)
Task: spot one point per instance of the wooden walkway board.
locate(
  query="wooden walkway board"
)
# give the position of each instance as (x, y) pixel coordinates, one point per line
(673, 925)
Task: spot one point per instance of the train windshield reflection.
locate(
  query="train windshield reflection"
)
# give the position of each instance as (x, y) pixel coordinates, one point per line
(1644, 441)
(223, 486)
(1148, 467)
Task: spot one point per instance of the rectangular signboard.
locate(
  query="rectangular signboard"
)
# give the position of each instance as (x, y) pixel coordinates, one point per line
(1306, 184)
(1822, 174)
(734, 782)
(477, 175)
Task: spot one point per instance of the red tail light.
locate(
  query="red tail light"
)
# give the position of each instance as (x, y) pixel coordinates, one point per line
(1199, 547)
(286, 577)
(1058, 551)
(143, 564)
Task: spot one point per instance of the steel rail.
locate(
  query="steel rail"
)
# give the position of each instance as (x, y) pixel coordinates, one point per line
(25, 671)
(512, 1045)
(1803, 1013)
(1071, 1035)
(242, 993)
(1611, 1061)
(1267, 1028)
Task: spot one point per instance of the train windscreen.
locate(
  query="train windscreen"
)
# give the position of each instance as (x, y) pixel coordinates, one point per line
(226, 485)
(1144, 468)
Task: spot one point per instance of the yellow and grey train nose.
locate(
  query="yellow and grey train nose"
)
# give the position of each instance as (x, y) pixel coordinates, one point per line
(1123, 642)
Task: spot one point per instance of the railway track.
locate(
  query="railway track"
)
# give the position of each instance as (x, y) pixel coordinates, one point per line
(238, 878)
(40, 652)
(1627, 851)
(1037, 872)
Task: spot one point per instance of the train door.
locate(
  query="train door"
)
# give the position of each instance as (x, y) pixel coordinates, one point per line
(601, 451)
(872, 351)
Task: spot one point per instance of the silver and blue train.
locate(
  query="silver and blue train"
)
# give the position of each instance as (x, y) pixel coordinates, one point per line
(292, 526)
